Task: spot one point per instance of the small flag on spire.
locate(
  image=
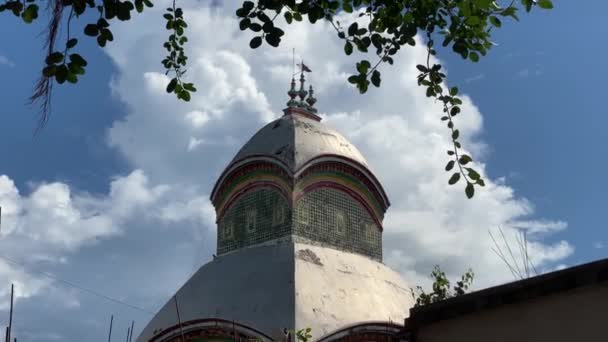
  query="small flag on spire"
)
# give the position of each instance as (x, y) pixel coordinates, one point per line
(304, 67)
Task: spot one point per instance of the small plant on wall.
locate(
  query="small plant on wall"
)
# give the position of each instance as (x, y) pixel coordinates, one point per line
(441, 288)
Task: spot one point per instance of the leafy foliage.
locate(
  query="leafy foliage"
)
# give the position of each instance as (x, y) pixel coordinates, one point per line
(441, 288)
(381, 27)
(302, 335)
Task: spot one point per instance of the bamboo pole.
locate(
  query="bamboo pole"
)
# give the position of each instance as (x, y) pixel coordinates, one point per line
(10, 317)
(110, 332)
(179, 320)
(132, 325)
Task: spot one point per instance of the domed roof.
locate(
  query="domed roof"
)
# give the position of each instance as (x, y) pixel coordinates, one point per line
(295, 140)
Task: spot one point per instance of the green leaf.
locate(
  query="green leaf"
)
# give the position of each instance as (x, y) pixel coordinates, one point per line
(76, 69)
(185, 95)
(465, 159)
(474, 56)
(248, 5)
(102, 23)
(352, 29)
(49, 71)
(376, 78)
(78, 60)
(171, 85)
(348, 48)
(363, 66)
(495, 21)
(470, 190)
(278, 32)
(545, 4)
(288, 17)
(353, 79)
(244, 24)
(422, 68)
(30, 13)
(472, 174)
(61, 74)
(346, 6)
(273, 40)
(91, 30)
(449, 165)
(255, 27)
(54, 58)
(453, 91)
(71, 43)
(148, 3)
(189, 87)
(71, 77)
(255, 42)
(455, 134)
(454, 179)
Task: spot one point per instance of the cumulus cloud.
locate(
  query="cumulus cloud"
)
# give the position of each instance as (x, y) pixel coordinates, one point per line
(396, 127)
(6, 61)
(177, 150)
(53, 223)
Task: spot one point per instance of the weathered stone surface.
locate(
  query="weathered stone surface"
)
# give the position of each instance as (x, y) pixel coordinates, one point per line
(289, 285)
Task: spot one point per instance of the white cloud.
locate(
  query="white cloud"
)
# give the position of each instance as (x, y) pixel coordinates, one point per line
(177, 150)
(396, 127)
(475, 78)
(52, 223)
(540, 226)
(6, 61)
(598, 245)
(523, 73)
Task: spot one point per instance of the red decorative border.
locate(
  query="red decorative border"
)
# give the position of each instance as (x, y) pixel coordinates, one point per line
(301, 111)
(346, 169)
(291, 173)
(367, 172)
(254, 185)
(246, 168)
(230, 169)
(380, 327)
(187, 324)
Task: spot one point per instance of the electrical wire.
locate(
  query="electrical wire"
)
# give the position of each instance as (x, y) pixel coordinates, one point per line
(71, 284)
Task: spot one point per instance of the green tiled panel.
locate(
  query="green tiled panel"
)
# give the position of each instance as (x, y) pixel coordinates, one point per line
(334, 218)
(327, 216)
(257, 216)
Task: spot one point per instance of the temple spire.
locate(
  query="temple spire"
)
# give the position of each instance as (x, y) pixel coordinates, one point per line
(298, 97)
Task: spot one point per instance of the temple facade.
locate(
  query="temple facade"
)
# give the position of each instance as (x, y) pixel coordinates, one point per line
(299, 243)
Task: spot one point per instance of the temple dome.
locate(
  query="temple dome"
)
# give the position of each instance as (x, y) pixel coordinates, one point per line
(295, 140)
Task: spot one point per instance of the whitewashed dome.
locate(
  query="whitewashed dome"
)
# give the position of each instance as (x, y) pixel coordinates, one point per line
(296, 139)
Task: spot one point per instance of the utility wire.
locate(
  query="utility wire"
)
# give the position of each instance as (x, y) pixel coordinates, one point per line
(89, 291)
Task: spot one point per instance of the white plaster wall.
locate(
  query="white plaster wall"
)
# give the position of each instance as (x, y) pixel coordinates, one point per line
(335, 289)
(287, 285)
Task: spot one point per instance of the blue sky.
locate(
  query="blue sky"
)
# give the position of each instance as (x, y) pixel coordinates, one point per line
(138, 216)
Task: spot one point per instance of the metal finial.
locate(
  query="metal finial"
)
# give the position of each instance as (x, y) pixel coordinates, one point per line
(302, 92)
(311, 100)
(292, 94)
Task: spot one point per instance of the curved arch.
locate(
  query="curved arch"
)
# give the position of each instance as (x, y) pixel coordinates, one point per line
(370, 327)
(246, 189)
(361, 167)
(236, 165)
(331, 170)
(350, 192)
(231, 328)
